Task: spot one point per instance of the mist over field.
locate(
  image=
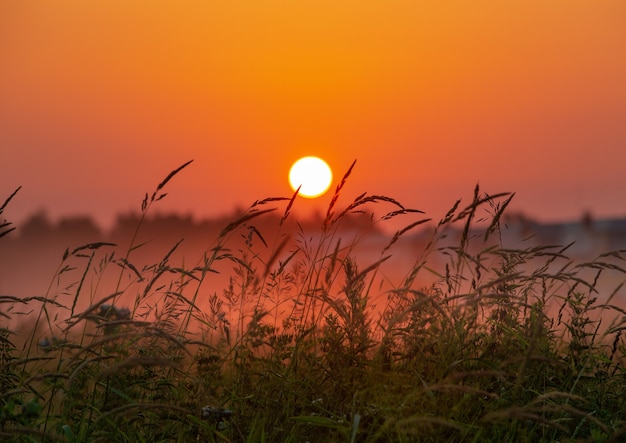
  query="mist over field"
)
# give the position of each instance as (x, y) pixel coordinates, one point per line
(31, 257)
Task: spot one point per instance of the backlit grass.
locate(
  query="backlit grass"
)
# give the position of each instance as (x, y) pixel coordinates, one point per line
(305, 343)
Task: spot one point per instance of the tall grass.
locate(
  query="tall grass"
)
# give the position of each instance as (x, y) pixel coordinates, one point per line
(305, 343)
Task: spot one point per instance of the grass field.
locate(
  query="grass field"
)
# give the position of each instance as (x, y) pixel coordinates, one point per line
(304, 344)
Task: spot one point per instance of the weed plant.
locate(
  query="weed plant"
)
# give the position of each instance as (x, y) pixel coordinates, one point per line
(305, 344)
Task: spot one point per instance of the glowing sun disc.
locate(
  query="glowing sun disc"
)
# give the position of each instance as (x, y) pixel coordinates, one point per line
(313, 174)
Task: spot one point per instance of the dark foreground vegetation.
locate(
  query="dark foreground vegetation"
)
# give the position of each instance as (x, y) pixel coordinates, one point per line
(304, 342)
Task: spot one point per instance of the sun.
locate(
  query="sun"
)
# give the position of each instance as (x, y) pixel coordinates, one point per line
(313, 175)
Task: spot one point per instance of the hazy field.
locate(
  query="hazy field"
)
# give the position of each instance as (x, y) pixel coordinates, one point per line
(469, 326)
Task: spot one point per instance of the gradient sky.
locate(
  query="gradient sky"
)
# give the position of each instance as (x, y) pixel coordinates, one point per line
(100, 99)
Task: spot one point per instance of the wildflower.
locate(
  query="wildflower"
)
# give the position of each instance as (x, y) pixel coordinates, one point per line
(217, 416)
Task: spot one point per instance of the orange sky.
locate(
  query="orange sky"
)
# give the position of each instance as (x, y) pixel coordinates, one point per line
(100, 99)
